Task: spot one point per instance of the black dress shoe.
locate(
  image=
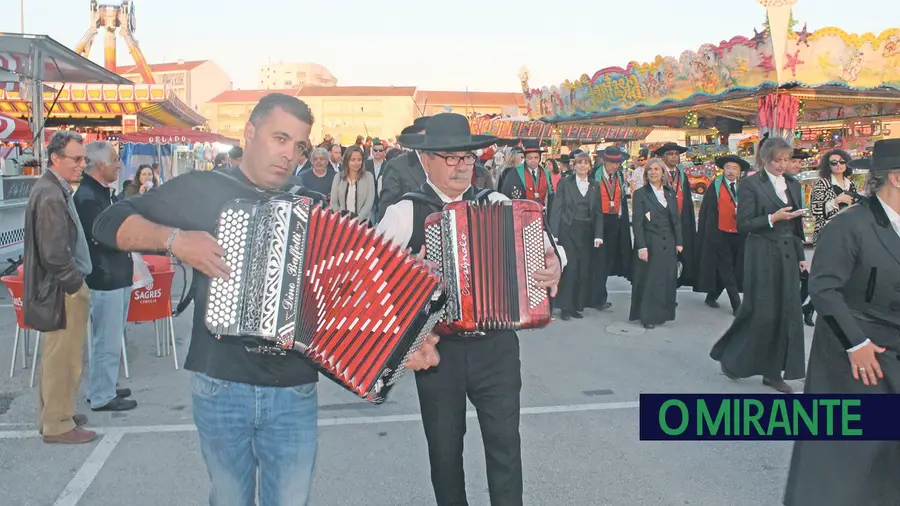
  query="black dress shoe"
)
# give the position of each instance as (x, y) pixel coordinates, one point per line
(711, 303)
(576, 315)
(649, 326)
(564, 316)
(604, 306)
(120, 392)
(117, 404)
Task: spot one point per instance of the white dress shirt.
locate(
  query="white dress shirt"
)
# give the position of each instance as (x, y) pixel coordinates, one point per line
(660, 195)
(397, 222)
(893, 217)
(583, 184)
(780, 189)
(780, 186)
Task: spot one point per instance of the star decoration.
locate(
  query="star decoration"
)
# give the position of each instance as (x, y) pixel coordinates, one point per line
(758, 38)
(803, 36)
(766, 63)
(793, 62)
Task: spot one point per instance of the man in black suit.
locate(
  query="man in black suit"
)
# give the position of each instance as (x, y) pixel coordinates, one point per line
(404, 173)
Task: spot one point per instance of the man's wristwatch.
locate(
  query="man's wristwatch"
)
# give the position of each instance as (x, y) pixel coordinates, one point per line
(171, 240)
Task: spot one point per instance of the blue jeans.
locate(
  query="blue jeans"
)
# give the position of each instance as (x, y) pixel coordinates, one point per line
(245, 430)
(109, 309)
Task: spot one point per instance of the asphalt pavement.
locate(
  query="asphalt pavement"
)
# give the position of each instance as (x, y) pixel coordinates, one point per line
(581, 381)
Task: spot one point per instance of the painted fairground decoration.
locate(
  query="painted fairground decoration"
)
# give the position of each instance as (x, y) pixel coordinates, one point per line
(828, 56)
(512, 129)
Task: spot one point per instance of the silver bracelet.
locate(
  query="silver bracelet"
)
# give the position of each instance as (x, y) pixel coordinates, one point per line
(171, 240)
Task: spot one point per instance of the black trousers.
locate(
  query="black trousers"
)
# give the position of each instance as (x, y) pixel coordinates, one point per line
(487, 370)
(726, 262)
(574, 290)
(804, 290)
(608, 259)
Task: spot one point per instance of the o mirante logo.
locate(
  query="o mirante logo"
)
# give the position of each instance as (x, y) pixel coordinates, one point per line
(695, 417)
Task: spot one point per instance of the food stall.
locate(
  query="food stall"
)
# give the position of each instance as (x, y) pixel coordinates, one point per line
(176, 149)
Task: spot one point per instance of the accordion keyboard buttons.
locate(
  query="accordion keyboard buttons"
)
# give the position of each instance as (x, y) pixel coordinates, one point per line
(533, 235)
(226, 294)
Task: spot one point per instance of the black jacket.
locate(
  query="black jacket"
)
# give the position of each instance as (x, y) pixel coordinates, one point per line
(112, 269)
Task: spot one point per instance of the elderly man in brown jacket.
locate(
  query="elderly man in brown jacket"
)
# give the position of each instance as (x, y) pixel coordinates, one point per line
(56, 299)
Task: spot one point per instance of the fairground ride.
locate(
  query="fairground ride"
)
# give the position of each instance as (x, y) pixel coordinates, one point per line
(112, 18)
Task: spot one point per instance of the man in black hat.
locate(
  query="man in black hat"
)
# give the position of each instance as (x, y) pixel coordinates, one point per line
(797, 161)
(404, 173)
(613, 258)
(720, 247)
(855, 285)
(530, 181)
(484, 369)
(670, 153)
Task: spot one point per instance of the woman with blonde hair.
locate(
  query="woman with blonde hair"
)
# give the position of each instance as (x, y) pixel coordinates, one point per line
(766, 337)
(354, 189)
(657, 240)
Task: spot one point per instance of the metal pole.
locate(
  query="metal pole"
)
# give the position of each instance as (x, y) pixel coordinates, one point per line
(22, 16)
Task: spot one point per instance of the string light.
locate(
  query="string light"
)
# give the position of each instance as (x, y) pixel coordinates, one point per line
(691, 120)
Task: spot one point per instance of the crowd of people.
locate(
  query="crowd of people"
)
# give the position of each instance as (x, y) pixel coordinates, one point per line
(746, 240)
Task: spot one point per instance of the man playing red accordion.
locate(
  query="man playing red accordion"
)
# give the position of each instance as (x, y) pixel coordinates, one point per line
(486, 369)
(252, 410)
(530, 181)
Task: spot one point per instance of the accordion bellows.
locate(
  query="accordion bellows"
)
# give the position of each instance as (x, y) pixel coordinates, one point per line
(322, 283)
(487, 254)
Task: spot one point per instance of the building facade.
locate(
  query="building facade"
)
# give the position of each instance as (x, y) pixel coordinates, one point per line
(468, 103)
(195, 82)
(347, 111)
(280, 76)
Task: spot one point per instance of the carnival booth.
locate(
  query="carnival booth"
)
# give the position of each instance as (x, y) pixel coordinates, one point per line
(177, 150)
(818, 89)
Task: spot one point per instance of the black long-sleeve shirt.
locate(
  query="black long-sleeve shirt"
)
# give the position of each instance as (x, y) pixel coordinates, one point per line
(193, 202)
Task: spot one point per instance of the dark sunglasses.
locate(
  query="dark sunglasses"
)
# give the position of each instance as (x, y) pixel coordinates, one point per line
(835, 163)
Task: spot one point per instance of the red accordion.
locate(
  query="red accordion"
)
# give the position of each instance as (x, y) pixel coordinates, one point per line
(322, 283)
(487, 253)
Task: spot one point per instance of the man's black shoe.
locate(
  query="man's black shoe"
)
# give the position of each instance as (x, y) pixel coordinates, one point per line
(117, 404)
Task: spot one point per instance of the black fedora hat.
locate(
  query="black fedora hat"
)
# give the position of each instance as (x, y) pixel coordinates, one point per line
(669, 146)
(563, 158)
(885, 157)
(531, 146)
(722, 160)
(799, 154)
(417, 126)
(613, 154)
(446, 132)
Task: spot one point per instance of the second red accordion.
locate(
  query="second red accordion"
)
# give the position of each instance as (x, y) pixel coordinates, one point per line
(487, 254)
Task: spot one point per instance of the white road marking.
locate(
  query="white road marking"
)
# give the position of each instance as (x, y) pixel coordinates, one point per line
(325, 422)
(88, 471)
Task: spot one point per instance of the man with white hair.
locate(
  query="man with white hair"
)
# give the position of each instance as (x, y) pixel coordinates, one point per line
(110, 281)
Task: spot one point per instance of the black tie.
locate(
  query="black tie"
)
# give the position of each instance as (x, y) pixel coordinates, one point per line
(733, 189)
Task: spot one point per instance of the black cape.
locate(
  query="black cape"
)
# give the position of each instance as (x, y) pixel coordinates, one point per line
(688, 256)
(706, 244)
(620, 263)
(854, 286)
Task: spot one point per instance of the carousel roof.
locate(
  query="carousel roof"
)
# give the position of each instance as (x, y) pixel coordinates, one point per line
(828, 67)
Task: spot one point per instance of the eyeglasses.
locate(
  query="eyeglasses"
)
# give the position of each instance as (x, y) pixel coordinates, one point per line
(76, 159)
(835, 163)
(453, 160)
